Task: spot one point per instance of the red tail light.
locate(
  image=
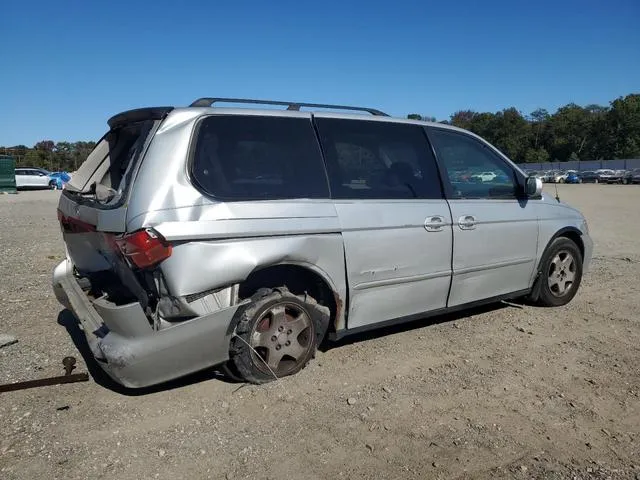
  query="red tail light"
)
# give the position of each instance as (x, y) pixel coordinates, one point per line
(144, 248)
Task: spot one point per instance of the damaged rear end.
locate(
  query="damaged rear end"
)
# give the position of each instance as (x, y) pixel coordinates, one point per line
(112, 278)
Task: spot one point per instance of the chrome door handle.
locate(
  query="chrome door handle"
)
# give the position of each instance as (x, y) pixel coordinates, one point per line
(434, 223)
(467, 222)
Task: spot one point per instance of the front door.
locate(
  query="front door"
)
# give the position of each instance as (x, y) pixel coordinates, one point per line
(495, 231)
(395, 223)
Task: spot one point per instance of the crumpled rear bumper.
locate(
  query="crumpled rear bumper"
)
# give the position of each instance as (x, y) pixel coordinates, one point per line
(129, 349)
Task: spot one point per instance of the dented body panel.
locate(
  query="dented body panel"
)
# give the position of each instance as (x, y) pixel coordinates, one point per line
(225, 262)
(381, 260)
(130, 350)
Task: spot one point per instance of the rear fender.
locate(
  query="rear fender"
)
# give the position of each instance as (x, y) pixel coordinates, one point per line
(200, 266)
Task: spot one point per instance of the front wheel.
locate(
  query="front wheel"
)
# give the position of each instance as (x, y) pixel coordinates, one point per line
(625, 181)
(276, 335)
(560, 273)
(596, 181)
(53, 185)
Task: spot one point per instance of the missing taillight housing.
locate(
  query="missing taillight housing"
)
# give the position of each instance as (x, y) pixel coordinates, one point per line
(144, 248)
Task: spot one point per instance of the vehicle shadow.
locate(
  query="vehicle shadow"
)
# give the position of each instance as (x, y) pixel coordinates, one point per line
(71, 324)
(416, 324)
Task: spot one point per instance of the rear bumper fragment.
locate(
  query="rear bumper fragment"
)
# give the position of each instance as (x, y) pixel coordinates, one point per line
(127, 347)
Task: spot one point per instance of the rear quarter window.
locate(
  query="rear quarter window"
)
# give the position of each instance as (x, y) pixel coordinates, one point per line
(258, 158)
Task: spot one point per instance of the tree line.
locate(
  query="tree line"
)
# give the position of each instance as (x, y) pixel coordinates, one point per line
(593, 132)
(50, 155)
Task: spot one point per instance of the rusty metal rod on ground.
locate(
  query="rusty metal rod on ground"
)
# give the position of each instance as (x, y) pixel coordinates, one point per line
(43, 382)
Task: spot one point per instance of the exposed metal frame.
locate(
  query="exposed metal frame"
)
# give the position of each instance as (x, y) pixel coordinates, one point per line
(209, 101)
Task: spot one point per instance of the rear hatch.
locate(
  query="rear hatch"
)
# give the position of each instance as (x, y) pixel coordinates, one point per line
(93, 205)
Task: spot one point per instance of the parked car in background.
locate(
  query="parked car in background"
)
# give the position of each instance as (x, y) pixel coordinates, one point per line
(590, 176)
(604, 175)
(33, 178)
(570, 172)
(560, 176)
(546, 176)
(485, 176)
(553, 175)
(609, 176)
(61, 178)
(626, 176)
(223, 248)
(573, 177)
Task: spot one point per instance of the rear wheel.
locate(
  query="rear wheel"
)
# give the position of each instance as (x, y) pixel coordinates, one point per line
(595, 180)
(625, 181)
(276, 335)
(53, 185)
(560, 273)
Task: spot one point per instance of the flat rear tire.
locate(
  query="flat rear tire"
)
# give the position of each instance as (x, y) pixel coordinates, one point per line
(276, 335)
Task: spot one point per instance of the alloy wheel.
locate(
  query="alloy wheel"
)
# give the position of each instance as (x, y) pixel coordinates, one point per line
(562, 273)
(282, 338)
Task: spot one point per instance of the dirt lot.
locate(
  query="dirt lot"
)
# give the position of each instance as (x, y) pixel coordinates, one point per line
(501, 392)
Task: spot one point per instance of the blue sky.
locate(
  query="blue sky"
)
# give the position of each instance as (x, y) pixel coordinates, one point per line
(68, 66)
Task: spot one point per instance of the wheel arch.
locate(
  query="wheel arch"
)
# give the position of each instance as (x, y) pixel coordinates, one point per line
(299, 278)
(573, 234)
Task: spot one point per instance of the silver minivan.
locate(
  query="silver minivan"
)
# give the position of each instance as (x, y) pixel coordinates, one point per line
(243, 238)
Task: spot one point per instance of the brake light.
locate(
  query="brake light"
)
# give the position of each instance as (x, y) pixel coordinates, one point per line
(144, 248)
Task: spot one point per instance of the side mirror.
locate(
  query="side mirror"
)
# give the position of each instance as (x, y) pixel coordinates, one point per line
(533, 187)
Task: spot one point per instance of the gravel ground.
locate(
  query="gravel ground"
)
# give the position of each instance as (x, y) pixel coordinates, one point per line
(501, 392)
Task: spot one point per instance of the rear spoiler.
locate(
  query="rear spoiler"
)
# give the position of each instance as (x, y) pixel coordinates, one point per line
(138, 115)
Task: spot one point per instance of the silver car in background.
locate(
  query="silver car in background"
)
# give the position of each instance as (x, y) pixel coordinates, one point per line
(205, 236)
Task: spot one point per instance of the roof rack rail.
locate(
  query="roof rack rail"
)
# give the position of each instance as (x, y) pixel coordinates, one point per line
(208, 102)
